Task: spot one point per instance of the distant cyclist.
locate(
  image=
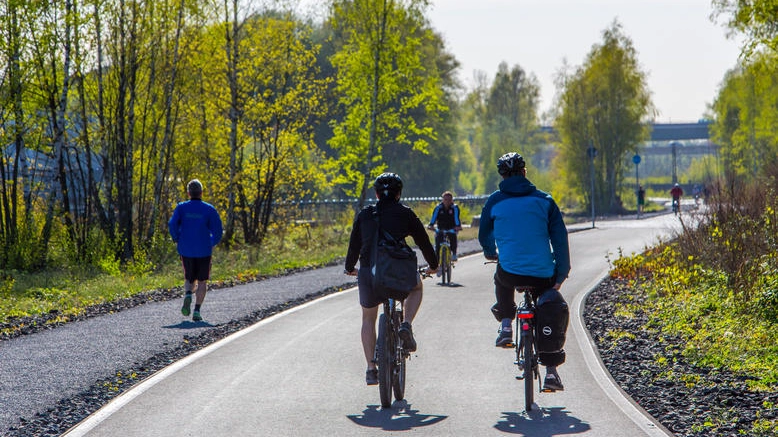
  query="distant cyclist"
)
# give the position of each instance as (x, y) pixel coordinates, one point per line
(676, 192)
(526, 225)
(446, 217)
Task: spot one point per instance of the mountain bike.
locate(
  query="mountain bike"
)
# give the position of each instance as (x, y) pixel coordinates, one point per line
(676, 206)
(390, 354)
(445, 256)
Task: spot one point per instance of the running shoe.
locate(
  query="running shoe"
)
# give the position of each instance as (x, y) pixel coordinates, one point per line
(187, 308)
(196, 316)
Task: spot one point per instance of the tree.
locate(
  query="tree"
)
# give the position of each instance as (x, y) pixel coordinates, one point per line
(430, 172)
(510, 120)
(602, 104)
(381, 81)
(757, 20)
(746, 117)
(281, 95)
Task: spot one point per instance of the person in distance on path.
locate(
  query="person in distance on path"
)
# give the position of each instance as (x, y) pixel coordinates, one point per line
(195, 227)
(446, 217)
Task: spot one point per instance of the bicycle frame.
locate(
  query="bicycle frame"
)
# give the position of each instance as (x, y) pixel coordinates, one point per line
(390, 353)
(444, 255)
(526, 346)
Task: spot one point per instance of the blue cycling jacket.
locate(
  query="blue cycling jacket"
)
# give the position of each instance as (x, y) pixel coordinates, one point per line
(196, 227)
(526, 226)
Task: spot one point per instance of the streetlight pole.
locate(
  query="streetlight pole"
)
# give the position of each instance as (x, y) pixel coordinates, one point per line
(674, 147)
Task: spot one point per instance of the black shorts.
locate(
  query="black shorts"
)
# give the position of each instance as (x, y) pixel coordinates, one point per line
(196, 269)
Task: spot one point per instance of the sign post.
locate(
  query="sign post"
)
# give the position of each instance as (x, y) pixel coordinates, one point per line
(636, 160)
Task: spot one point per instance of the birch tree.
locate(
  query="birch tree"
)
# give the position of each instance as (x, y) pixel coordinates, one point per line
(380, 81)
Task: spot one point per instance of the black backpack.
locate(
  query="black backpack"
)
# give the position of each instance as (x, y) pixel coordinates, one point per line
(394, 270)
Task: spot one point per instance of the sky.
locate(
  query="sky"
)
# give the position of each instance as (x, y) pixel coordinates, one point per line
(684, 54)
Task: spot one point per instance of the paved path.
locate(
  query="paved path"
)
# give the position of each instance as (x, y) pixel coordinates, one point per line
(41, 369)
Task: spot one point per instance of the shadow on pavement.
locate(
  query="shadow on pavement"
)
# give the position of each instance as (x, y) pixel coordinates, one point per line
(543, 422)
(400, 417)
(188, 324)
(449, 285)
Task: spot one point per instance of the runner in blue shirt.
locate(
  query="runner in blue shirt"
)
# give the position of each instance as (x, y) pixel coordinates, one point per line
(195, 227)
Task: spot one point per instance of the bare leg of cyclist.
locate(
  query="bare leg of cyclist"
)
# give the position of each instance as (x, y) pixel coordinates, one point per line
(369, 316)
(413, 302)
(410, 307)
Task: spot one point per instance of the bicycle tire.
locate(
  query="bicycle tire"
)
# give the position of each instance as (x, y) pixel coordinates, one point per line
(385, 361)
(445, 264)
(398, 372)
(529, 370)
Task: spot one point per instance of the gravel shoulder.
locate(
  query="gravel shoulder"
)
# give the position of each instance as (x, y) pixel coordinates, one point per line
(647, 365)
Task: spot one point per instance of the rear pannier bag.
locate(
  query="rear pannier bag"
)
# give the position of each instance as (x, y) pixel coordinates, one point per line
(551, 318)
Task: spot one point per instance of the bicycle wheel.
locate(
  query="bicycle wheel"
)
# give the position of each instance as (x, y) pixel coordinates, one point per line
(529, 370)
(398, 374)
(385, 357)
(445, 264)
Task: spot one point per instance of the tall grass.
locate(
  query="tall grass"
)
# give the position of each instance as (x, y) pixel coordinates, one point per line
(716, 285)
(70, 290)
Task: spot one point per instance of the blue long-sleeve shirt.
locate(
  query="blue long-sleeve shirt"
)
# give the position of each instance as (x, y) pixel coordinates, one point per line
(526, 225)
(196, 227)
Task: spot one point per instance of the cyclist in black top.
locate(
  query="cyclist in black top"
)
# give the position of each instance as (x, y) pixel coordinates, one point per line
(400, 221)
(446, 216)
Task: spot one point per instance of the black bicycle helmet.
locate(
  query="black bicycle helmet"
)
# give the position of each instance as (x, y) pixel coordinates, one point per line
(388, 184)
(510, 163)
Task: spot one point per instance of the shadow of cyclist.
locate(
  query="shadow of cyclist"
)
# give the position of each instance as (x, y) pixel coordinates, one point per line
(542, 422)
(398, 418)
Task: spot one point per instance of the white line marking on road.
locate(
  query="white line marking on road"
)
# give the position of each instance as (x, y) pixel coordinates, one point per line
(106, 411)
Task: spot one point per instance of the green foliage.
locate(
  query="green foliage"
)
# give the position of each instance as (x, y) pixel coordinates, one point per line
(745, 117)
(381, 83)
(715, 285)
(67, 291)
(755, 20)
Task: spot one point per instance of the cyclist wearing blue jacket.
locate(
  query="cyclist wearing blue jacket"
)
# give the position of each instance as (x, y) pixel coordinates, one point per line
(527, 227)
(195, 227)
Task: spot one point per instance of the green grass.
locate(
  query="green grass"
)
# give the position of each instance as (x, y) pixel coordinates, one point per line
(68, 292)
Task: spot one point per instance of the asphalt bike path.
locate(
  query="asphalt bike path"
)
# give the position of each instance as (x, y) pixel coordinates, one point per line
(42, 368)
(302, 372)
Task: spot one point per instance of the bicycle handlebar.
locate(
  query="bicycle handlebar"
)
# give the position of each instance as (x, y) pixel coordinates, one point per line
(423, 272)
